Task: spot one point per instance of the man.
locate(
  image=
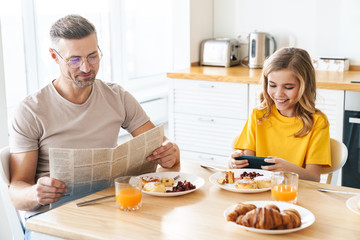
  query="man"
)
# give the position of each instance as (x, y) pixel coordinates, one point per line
(76, 110)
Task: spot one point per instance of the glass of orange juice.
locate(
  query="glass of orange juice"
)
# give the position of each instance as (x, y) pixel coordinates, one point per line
(128, 193)
(284, 186)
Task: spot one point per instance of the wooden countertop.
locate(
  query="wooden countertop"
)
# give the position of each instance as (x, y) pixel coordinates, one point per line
(198, 215)
(238, 74)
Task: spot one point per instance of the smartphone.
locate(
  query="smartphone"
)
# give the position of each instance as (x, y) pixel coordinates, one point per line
(254, 162)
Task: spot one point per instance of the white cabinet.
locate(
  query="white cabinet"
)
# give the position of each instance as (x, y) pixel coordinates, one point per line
(205, 117)
(331, 102)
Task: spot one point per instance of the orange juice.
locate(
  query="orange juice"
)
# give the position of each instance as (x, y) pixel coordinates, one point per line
(284, 193)
(128, 197)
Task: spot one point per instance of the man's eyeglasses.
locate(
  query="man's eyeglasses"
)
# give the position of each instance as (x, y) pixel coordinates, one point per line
(76, 62)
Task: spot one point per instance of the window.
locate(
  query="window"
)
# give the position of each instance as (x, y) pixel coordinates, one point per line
(135, 37)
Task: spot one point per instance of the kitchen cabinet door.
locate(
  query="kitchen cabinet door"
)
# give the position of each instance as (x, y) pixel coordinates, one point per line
(209, 98)
(204, 134)
(206, 116)
(331, 102)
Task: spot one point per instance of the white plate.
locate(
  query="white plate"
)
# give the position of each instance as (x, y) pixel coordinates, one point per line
(237, 172)
(352, 204)
(307, 218)
(193, 179)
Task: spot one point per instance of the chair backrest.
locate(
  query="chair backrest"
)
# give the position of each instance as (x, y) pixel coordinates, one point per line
(12, 214)
(339, 154)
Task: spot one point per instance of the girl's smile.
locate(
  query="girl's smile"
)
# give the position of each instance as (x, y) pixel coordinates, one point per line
(283, 88)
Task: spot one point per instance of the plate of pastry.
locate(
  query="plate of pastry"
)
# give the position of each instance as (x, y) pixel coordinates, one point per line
(353, 204)
(269, 217)
(242, 180)
(170, 184)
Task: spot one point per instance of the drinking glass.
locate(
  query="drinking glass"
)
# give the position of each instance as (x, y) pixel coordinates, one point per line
(128, 193)
(284, 186)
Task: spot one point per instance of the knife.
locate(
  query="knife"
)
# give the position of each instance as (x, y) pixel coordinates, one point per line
(94, 200)
(212, 168)
(336, 191)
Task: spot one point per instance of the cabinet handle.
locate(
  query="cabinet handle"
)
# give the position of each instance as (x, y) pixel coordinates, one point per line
(206, 85)
(206, 119)
(354, 120)
(205, 158)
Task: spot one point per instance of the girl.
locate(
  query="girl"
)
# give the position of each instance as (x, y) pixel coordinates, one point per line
(287, 126)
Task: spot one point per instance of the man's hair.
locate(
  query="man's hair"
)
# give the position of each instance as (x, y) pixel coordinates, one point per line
(71, 27)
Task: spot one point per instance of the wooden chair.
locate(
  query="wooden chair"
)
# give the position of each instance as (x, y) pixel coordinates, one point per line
(339, 154)
(12, 215)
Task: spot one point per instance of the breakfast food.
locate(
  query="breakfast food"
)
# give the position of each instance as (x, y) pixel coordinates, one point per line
(240, 209)
(263, 181)
(267, 217)
(168, 182)
(221, 181)
(154, 187)
(229, 177)
(246, 180)
(182, 186)
(245, 184)
(250, 175)
(145, 180)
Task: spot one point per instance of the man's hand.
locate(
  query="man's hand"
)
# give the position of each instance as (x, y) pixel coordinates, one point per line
(49, 190)
(167, 155)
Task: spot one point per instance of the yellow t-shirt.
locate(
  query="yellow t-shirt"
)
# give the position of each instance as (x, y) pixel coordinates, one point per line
(275, 137)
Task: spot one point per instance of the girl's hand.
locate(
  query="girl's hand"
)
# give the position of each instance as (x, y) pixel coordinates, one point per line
(232, 163)
(280, 165)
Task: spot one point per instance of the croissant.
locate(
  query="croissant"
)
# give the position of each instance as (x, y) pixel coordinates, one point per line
(294, 218)
(262, 217)
(240, 209)
(269, 217)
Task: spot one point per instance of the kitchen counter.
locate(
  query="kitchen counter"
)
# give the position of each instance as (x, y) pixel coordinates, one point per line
(238, 74)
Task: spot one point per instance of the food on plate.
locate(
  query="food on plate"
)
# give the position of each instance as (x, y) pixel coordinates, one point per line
(145, 180)
(221, 181)
(250, 175)
(263, 181)
(182, 186)
(229, 177)
(358, 205)
(240, 209)
(168, 182)
(154, 187)
(246, 180)
(245, 184)
(267, 217)
(294, 219)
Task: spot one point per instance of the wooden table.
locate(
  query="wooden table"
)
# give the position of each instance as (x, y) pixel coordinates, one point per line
(198, 215)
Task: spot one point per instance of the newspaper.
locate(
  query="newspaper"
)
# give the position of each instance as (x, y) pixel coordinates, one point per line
(85, 171)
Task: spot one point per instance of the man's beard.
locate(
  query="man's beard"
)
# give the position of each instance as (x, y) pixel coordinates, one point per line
(84, 83)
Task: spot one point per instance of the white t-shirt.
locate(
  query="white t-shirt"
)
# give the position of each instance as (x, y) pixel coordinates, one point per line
(45, 119)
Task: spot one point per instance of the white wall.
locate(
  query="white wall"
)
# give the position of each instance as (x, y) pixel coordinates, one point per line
(4, 141)
(181, 34)
(201, 25)
(322, 27)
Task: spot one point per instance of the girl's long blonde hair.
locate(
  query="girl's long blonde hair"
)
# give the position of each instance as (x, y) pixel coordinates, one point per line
(299, 62)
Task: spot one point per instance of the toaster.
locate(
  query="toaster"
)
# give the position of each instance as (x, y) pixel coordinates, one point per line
(220, 52)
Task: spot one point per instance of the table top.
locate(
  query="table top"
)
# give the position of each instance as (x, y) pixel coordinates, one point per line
(238, 74)
(197, 215)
